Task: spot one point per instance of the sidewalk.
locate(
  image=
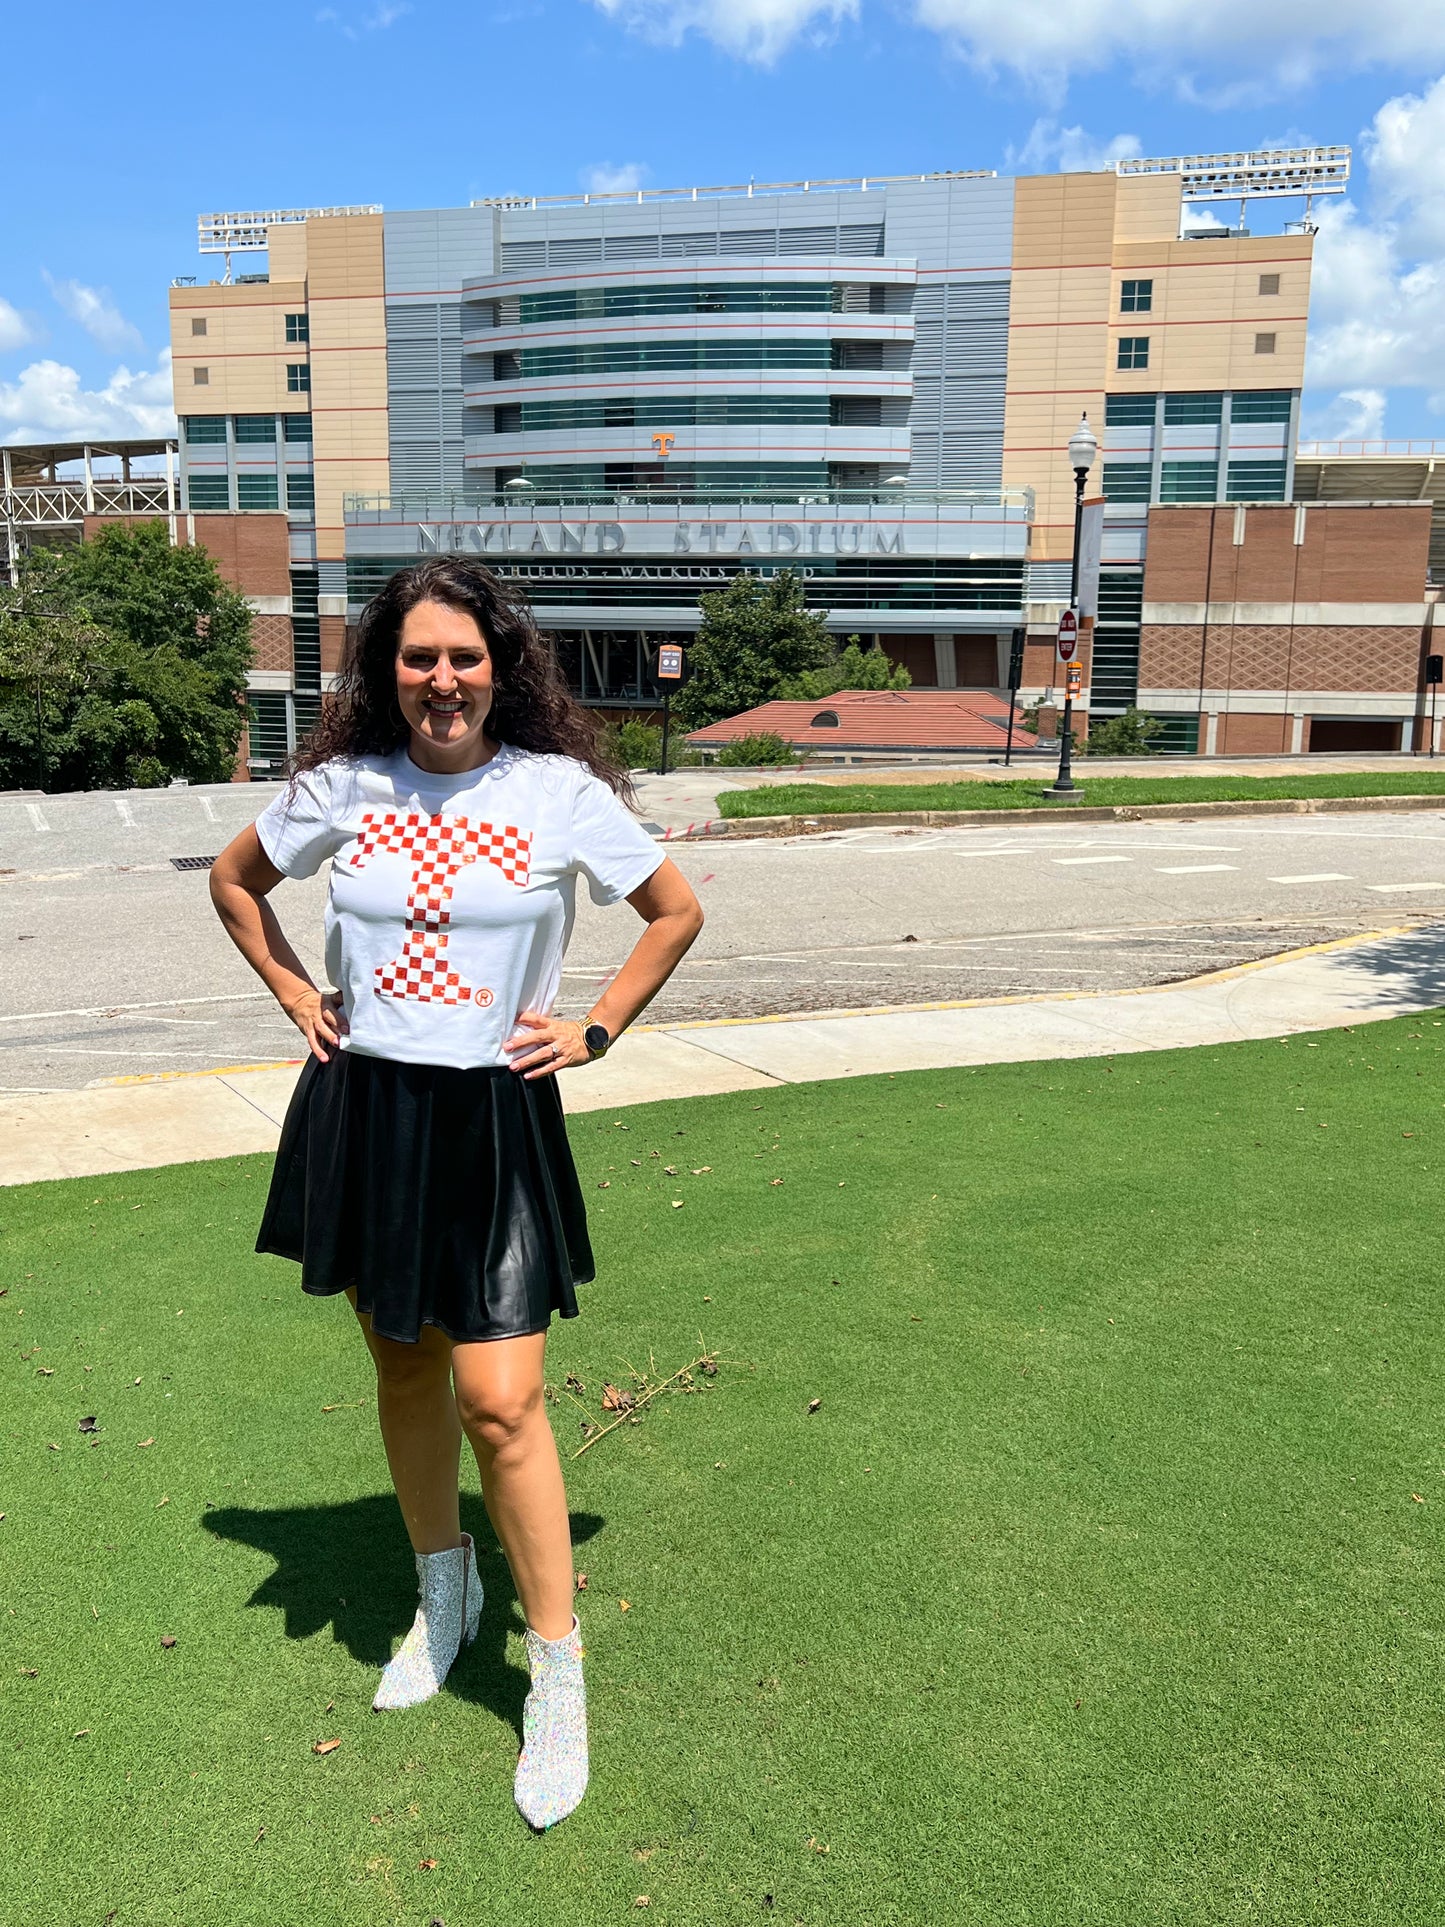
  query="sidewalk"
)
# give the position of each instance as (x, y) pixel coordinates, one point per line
(217, 1114)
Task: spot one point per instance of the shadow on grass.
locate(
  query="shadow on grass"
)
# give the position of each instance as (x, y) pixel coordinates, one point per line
(348, 1566)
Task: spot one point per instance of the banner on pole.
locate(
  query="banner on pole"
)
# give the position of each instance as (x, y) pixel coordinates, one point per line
(669, 661)
(1091, 550)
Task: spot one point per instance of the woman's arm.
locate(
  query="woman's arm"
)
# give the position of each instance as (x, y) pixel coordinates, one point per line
(242, 876)
(673, 916)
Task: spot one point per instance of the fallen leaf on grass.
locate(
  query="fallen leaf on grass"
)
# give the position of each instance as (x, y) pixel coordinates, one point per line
(83, 1734)
(775, 1180)
(814, 1403)
(164, 1501)
(1416, 1497)
(89, 1424)
(574, 1384)
(168, 1640)
(615, 1401)
(260, 1836)
(606, 1185)
(326, 1746)
(580, 1582)
(30, 1672)
(425, 1866)
(708, 1366)
(643, 1853)
(625, 1604)
(637, 1160)
(677, 1204)
(141, 1444)
(52, 1448)
(643, 1900)
(45, 1371)
(817, 1845)
(701, 1170)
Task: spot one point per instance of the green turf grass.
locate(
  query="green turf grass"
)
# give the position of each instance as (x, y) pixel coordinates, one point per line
(1096, 1592)
(1028, 793)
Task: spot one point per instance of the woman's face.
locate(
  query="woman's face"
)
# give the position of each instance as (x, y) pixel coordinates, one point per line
(444, 677)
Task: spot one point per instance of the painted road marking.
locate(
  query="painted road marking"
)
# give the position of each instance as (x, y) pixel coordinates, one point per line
(37, 816)
(124, 811)
(1317, 876)
(1189, 869)
(1093, 859)
(1382, 887)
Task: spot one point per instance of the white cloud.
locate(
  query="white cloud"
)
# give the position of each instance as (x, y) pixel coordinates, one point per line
(15, 330)
(355, 26)
(1354, 415)
(605, 178)
(1279, 44)
(96, 313)
(1069, 150)
(46, 402)
(756, 30)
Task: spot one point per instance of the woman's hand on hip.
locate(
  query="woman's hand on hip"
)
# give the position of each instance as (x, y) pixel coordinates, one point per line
(320, 1020)
(542, 1044)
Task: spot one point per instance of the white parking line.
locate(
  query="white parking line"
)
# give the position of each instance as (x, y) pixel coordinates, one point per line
(1316, 876)
(1382, 887)
(1093, 859)
(37, 816)
(1189, 869)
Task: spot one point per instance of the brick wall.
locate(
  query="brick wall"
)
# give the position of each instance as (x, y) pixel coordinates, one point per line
(333, 643)
(271, 642)
(252, 551)
(1350, 553)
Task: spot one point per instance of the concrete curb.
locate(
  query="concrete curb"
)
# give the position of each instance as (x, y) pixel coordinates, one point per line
(743, 826)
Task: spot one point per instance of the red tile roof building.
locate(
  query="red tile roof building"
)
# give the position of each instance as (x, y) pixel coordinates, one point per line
(877, 719)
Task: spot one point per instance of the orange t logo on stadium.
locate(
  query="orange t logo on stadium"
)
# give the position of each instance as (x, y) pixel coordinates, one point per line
(663, 442)
(439, 847)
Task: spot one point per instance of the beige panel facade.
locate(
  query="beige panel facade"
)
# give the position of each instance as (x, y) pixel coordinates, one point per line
(240, 350)
(1211, 325)
(346, 288)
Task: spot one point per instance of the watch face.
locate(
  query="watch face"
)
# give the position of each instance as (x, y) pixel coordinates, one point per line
(596, 1039)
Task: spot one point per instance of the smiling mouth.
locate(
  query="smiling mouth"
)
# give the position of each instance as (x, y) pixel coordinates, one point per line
(435, 706)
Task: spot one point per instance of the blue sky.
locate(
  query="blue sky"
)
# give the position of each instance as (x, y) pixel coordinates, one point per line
(124, 124)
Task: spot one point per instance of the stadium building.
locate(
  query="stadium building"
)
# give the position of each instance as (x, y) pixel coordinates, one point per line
(621, 400)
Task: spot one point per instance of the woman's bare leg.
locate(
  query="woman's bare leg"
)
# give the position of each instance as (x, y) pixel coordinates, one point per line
(499, 1397)
(421, 1432)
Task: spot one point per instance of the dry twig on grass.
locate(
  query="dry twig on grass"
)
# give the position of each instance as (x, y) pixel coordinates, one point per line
(628, 1405)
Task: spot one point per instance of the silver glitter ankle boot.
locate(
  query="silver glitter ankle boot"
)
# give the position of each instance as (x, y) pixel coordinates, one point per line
(446, 1620)
(552, 1772)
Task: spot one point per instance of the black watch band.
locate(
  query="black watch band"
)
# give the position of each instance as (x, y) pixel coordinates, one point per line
(597, 1039)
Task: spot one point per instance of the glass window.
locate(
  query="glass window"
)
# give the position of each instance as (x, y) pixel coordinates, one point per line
(204, 428)
(208, 492)
(1269, 284)
(255, 428)
(1129, 411)
(1264, 405)
(1256, 482)
(265, 729)
(575, 304)
(300, 492)
(1185, 410)
(257, 492)
(298, 428)
(201, 377)
(643, 357)
(1189, 482)
(1126, 481)
(298, 378)
(298, 327)
(662, 412)
(1136, 297)
(198, 324)
(1264, 344)
(1133, 351)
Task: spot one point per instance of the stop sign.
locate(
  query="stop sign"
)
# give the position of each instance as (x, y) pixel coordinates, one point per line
(1068, 635)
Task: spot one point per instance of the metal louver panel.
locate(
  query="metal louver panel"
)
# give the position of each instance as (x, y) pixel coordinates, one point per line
(411, 364)
(583, 247)
(748, 240)
(807, 240)
(631, 247)
(927, 344)
(675, 246)
(413, 415)
(523, 254)
(860, 237)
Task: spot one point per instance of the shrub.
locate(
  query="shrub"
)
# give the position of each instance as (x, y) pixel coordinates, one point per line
(1128, 735)
(764, 748)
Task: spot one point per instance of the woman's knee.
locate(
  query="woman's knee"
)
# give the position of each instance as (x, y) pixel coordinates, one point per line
(495, 1415)
(410, 1370)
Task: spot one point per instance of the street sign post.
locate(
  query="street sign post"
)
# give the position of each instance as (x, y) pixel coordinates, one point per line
(1434, 676)
(1015, 683)
(669, 671)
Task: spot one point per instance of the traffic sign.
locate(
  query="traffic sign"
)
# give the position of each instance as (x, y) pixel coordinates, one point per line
(1068, 635)
(669, 661)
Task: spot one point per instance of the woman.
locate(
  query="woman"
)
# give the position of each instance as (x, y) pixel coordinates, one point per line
(423, 1168)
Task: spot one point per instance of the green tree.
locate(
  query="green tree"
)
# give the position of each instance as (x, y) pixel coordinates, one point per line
(756, 633)
(1128, 735)
(853, 668)
(122, 662)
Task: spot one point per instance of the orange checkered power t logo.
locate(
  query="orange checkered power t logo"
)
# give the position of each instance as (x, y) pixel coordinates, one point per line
(439, 847)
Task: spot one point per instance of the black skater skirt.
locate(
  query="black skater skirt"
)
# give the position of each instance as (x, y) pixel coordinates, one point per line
(446, 1197)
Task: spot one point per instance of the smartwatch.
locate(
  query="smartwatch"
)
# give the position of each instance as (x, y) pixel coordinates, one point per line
(595, 1037)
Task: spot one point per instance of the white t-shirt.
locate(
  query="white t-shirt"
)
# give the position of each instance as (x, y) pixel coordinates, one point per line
(451, 897)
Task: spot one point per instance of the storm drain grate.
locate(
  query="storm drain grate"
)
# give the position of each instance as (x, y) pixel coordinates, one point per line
(192, 862)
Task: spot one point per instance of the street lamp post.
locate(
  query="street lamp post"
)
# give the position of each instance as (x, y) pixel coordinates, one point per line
(1083, 447)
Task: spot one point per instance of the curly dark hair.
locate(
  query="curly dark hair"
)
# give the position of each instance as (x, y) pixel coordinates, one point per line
(532, 706)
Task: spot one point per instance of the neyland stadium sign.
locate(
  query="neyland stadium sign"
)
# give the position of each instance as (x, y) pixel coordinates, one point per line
(680, 538)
